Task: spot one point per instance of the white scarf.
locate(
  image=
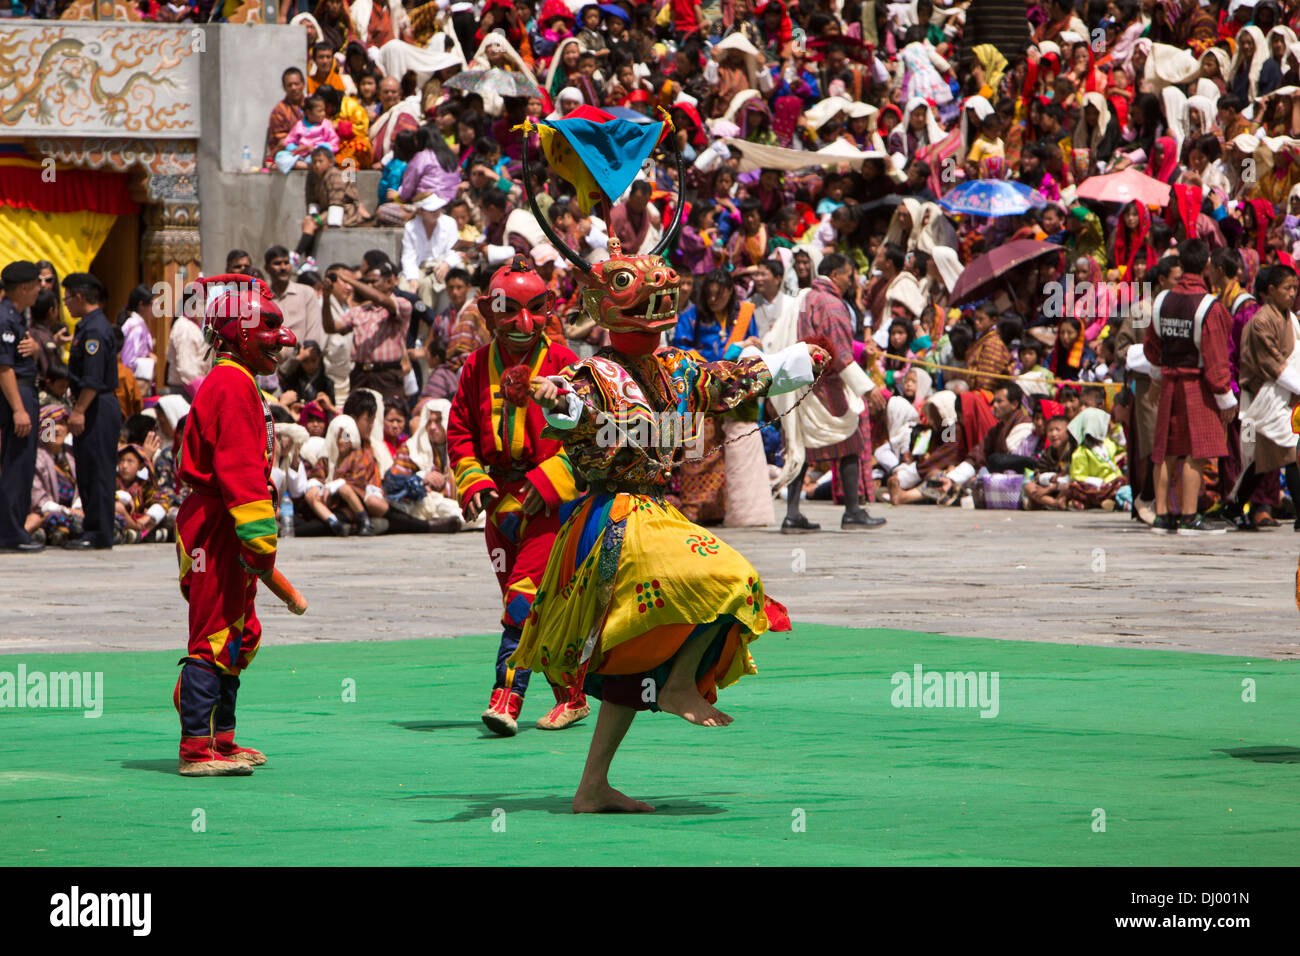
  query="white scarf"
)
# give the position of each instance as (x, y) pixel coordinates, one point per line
(810, 425)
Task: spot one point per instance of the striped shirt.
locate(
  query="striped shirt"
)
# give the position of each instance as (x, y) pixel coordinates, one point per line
(378, 335)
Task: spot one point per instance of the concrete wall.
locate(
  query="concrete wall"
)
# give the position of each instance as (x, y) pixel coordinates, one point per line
(254, 211)
(241, 69)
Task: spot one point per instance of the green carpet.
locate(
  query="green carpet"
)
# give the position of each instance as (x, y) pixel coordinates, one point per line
(819, 768)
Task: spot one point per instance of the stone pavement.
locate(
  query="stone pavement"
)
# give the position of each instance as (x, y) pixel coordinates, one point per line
(1091, 578)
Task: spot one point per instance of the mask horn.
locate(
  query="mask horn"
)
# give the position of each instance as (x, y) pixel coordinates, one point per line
(545, 223)
(670, 234)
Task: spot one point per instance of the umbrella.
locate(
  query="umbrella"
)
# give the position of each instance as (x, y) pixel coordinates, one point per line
(502, 82)
(1125, 187)
(990, 197)
(976, 278)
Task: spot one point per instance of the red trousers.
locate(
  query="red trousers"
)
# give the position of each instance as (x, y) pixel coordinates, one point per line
(223, 625)
(518, 547)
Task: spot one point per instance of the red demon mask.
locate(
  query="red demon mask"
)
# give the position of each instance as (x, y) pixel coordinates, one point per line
(243, 321)
(517, 306)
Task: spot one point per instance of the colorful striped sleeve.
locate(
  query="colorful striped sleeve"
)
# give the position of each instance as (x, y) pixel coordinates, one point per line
(240, 467)
(553, 479)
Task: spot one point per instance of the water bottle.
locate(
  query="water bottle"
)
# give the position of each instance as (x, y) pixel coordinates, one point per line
(248, 160)
(286, 516)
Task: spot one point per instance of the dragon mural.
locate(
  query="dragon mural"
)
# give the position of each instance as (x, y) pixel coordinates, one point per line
(122, 80)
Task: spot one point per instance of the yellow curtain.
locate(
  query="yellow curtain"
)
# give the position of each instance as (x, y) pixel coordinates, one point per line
(70, 240)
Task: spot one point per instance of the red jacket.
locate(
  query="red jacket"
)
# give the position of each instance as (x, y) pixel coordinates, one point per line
(484, 433)
(226, 454)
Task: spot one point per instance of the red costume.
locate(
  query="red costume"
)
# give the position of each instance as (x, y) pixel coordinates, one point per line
(498, 452)
(226, 528)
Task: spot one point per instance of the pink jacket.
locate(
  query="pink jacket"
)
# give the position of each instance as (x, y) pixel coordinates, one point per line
(304, 134)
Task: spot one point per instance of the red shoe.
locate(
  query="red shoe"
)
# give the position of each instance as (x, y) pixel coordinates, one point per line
(199, 758)
(502, 715)
(224, 741)
(570, 707)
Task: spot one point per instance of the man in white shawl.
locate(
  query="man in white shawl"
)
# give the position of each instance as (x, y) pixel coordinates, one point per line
(1269, 374)
(821, 312)
(398, 115)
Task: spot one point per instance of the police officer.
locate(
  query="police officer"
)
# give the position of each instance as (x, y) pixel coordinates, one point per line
(19, 413)
(96, 418)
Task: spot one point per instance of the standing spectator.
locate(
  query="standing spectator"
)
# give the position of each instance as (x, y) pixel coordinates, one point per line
(137, 353)
(19, 412)
(299, 303)
(96, 417)
(187, 352)
(825, 315)
(378, 323)
(1196, 400)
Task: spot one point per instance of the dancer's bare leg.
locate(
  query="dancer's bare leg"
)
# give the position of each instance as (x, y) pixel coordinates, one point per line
(680, 696)
(595, 795)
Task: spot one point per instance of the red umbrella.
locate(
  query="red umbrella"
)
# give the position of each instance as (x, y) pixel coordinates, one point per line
(976, 279)
(1125, 187)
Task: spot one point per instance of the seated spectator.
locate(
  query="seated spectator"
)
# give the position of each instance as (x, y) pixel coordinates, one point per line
(1031, 376)
(332, 201)
(140, 510)
(1049, 488)
(419, 484)
(353, 478)
(309, 133)
(324, 70)
(352, 126)
(1096, 467)
(289, 476)
(56, 513)
(307, 382)
(286, 114)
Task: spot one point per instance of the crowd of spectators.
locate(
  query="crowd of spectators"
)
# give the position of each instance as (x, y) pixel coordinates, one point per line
(823, 143)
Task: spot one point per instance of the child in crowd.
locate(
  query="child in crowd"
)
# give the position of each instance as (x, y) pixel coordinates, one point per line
(1096, 467)
(1032, 376)
(313, 130)
(289, 474)
(313, 417)
(988, 144)
(56, 513)
(419, 485)
(141, 513)
(1050, 486)
(352, 477)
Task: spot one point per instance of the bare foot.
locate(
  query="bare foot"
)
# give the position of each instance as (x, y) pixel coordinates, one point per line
(602, 798)
(689, 705)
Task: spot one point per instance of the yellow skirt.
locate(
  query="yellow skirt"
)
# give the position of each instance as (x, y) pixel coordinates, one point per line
(629, 581)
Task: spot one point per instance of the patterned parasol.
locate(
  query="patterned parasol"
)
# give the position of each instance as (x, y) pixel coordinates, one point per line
(990, 197)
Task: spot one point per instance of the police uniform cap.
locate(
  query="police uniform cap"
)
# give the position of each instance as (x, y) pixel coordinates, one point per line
(19, 272)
